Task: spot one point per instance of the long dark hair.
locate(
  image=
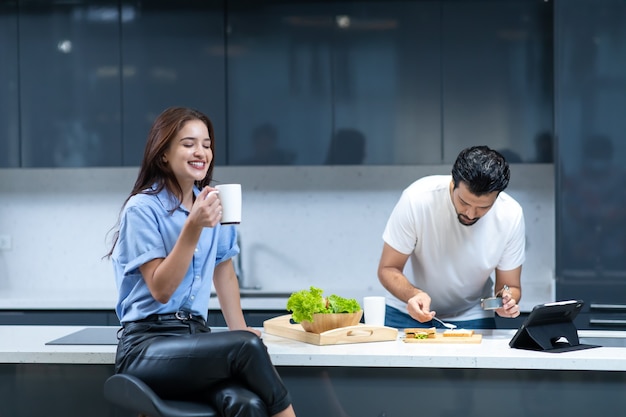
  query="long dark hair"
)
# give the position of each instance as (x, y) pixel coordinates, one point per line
(153, 171)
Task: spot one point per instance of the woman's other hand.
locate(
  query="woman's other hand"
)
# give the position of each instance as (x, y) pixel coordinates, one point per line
(253, 330)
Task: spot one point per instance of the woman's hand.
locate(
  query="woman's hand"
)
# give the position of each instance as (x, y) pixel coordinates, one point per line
(253, 330)
(207, 209)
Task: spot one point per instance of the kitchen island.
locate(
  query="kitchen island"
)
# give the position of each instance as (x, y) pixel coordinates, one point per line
(375, 379)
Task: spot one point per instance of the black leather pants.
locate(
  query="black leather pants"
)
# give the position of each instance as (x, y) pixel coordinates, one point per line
(185, 360)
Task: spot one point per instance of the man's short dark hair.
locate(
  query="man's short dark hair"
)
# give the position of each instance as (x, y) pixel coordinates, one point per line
(482, 169)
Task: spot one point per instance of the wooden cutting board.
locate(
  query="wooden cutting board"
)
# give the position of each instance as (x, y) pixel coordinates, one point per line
(439, 338)
(361, 333)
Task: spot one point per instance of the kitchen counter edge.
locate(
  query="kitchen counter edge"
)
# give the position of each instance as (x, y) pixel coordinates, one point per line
(27, 344)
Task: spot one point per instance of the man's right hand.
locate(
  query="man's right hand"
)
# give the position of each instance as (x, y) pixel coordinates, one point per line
(418, 307)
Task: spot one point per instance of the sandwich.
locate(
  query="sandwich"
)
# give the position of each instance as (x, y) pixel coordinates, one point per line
(458, 333)
(420, 333)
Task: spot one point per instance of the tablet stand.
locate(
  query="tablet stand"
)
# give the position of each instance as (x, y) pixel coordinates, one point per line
(549, 337)
(546, 336)
(550, 328)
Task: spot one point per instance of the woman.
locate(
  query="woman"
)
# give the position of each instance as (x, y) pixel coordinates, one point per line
(168, 252)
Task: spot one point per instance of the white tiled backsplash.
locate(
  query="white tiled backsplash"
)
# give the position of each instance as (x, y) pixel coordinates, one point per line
(301, 226)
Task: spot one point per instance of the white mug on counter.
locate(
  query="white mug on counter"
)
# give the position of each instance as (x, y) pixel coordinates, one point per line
(230, 197)
(374, 310)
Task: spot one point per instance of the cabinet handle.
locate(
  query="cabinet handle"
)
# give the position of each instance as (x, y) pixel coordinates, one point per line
(607, 322)
(594, 306)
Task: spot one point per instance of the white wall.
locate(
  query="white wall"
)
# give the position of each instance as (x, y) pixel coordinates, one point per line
(301, 226)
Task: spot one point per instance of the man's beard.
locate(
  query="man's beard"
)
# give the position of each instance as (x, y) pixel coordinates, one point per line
(466, 221)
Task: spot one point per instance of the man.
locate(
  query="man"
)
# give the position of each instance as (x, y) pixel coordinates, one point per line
(455, 231)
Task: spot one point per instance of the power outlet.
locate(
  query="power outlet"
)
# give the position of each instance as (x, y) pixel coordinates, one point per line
(5, 242)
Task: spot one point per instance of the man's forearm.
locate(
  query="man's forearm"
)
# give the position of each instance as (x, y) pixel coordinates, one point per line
(397, 284)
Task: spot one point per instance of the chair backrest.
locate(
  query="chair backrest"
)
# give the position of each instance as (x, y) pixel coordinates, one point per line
(131, 393)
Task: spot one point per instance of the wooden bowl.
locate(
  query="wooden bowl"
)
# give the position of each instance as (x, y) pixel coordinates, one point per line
(323, 322)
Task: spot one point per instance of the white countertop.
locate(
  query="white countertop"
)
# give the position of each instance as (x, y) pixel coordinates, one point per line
(27, 344)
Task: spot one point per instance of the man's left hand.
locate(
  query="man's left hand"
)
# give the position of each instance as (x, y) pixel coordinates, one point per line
(509, 308)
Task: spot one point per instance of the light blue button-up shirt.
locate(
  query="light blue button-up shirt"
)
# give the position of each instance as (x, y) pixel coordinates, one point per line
(148, 231)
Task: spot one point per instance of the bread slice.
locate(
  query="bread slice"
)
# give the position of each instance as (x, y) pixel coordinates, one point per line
(458, 333)
(414, 332)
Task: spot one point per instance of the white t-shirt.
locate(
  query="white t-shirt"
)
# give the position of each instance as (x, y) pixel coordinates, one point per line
(452, 262)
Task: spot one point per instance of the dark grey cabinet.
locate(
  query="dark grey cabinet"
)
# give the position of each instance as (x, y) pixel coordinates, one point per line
(254, 318)
(387, 83)
(497, 71)
(172, 54)
(69, 84)
(90, 77)
(58, 317)
(590, 124)
(317, 83)
(9, 91)
(306, 83)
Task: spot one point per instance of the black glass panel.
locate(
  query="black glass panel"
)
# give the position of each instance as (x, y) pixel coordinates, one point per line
(172, 55)
(309, 83)
(386, 77)
(591, 62)
(375, 82)
(497, 78)
(69, 84)
(333, 83)
(9, 116)
(279, 82)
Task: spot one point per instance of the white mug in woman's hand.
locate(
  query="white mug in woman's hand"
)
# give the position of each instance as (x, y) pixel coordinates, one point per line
(230, 197)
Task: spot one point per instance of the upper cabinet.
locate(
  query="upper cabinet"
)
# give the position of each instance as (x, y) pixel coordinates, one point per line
(93, 76)
(334, 83)
(69, 84)
(590, 124)
(497, 72)
(388, 82)
(304, 83)
(9, 96)
(172, 54)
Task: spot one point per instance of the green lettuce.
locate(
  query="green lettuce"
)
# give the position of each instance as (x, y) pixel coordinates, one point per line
(339, 304)
(303, 304)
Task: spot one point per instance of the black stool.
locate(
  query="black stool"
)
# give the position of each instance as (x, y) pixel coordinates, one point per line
(133, 394)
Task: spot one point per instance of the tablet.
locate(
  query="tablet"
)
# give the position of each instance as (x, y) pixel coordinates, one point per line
(556, 312)
(550, 327)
